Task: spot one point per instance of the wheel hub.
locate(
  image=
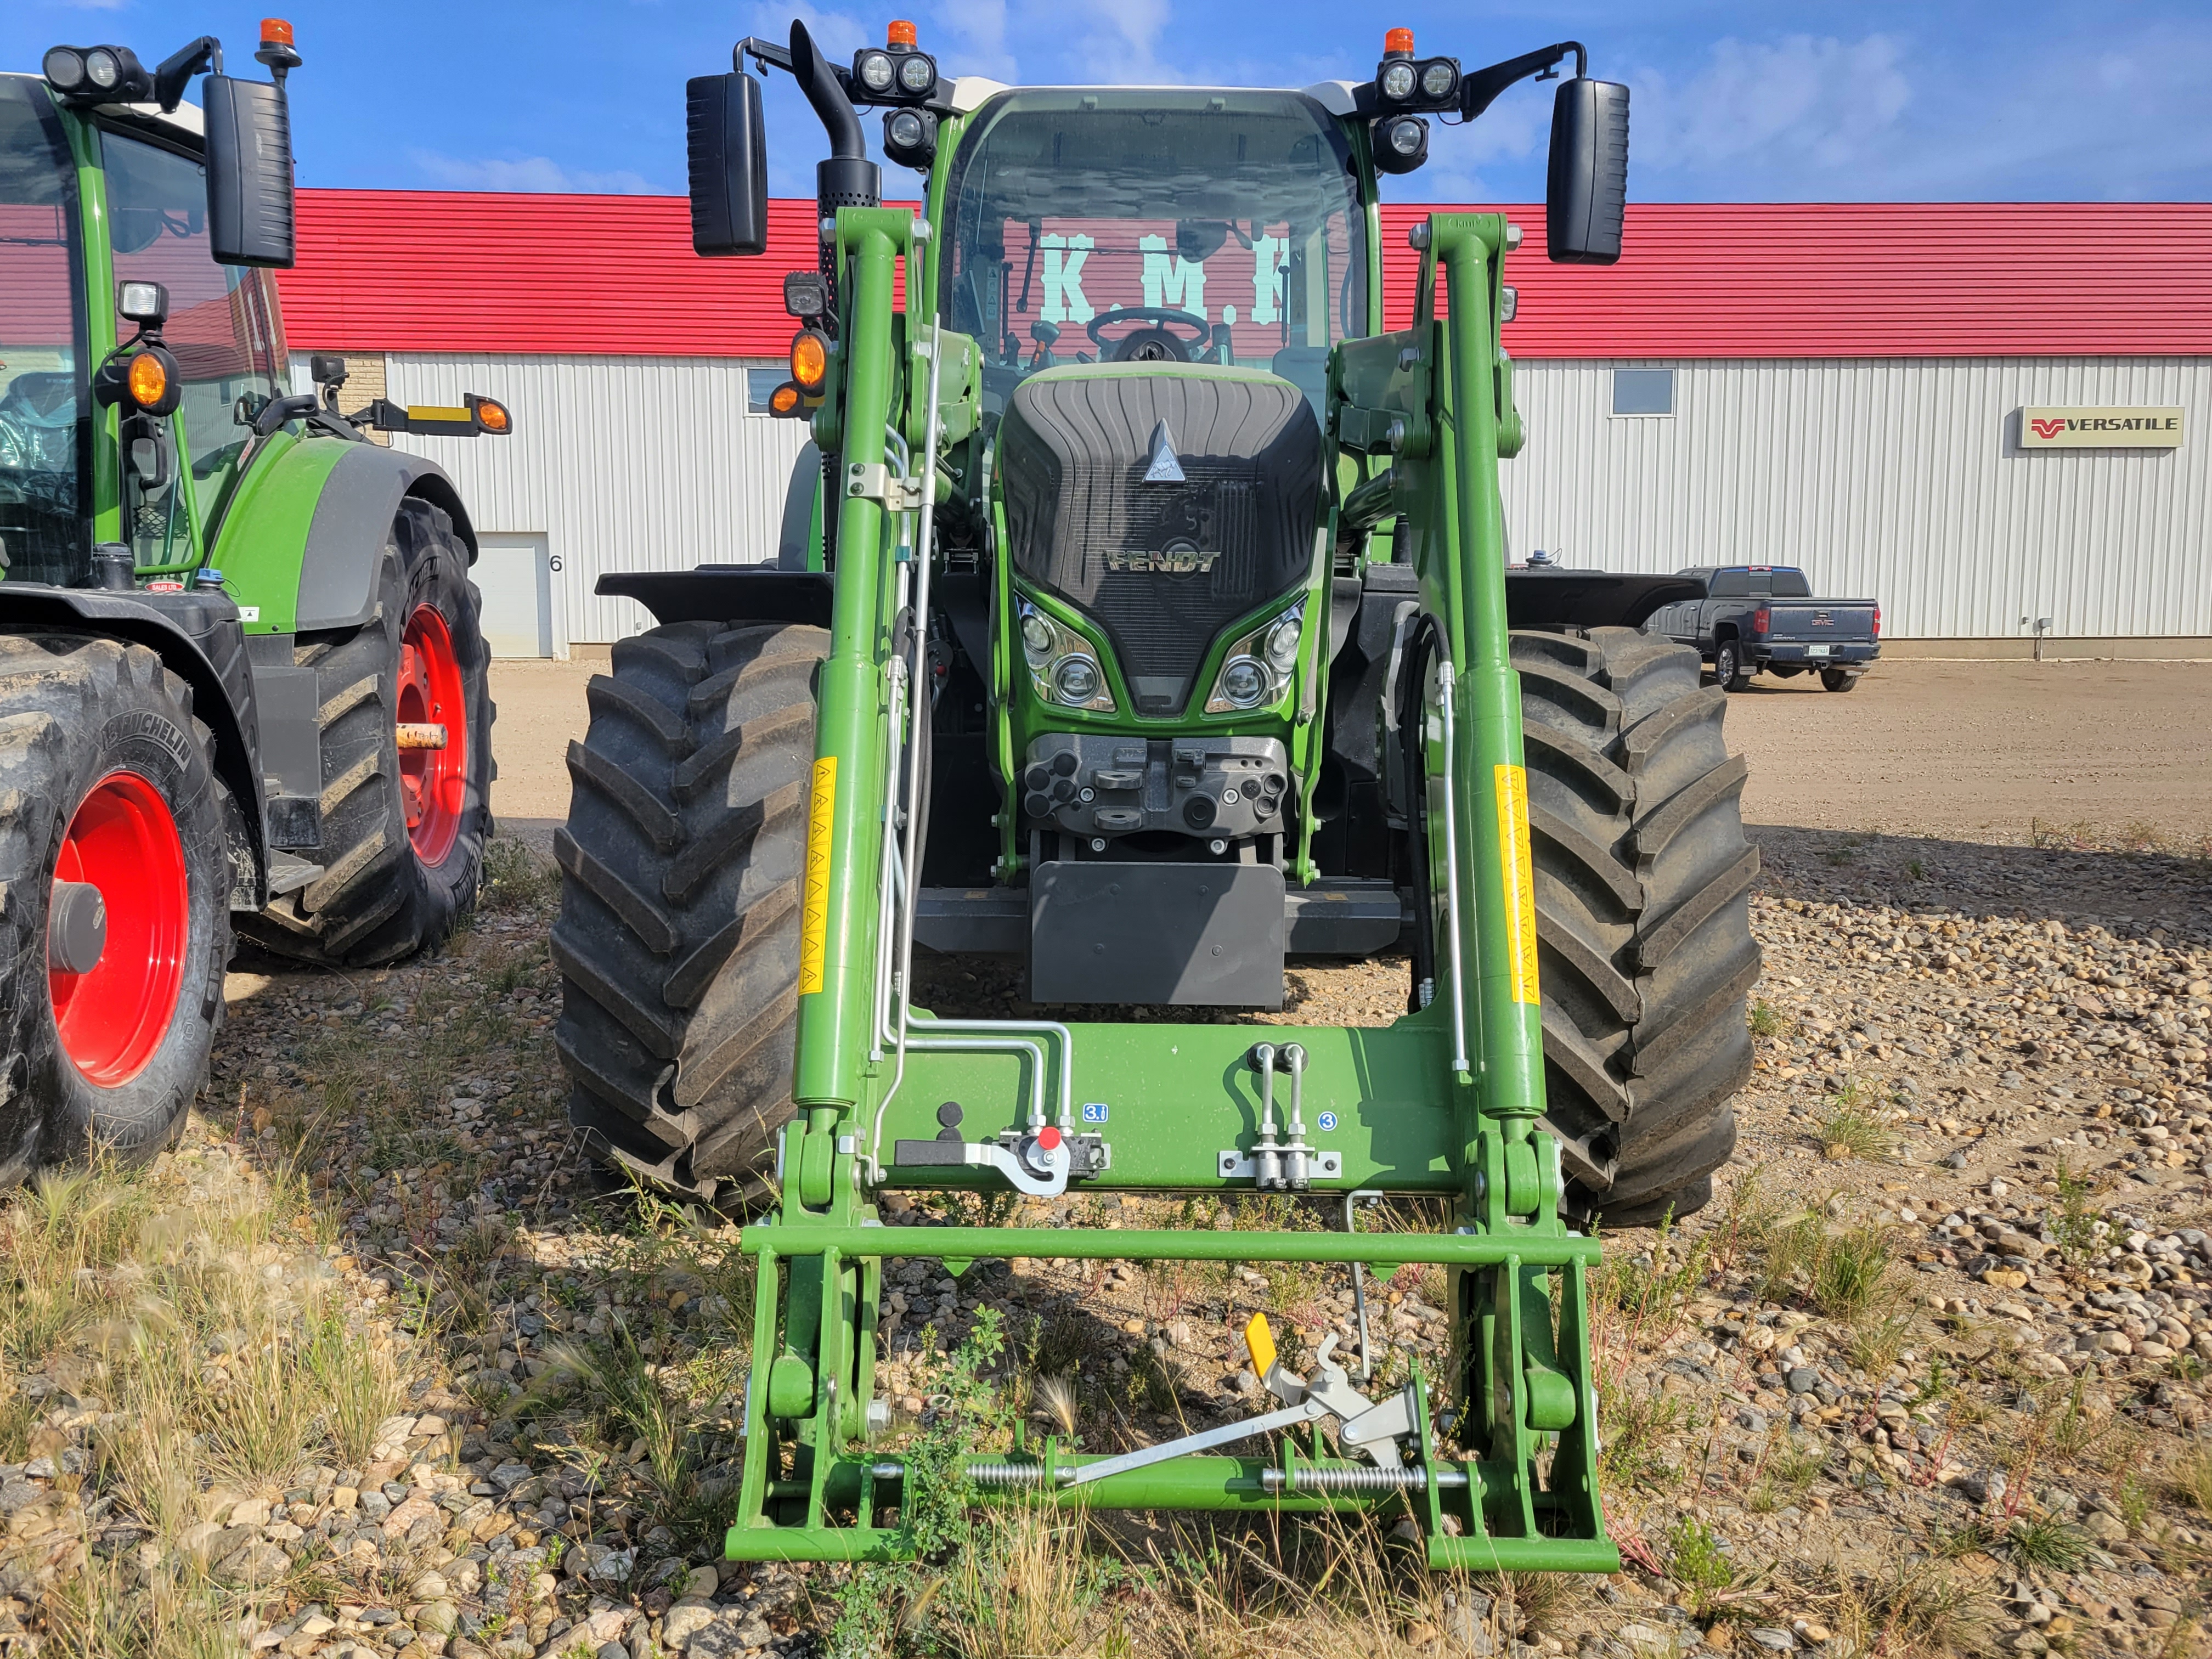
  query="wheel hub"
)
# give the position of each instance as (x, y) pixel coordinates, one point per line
(432, 776)
(118, 917)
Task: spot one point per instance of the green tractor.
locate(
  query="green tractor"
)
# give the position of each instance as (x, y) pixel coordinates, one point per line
(1145, 617)
(241, 673)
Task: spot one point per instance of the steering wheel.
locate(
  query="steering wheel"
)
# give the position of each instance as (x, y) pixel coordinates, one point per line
(1156, 344)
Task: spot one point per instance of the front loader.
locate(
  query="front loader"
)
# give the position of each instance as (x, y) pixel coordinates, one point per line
(1145, 617)
(242, 678)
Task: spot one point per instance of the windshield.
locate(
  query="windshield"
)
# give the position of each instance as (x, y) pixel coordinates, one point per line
(1154, 226)
(44, 431)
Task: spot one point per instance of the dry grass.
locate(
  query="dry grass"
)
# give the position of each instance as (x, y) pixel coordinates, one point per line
(192, 1309)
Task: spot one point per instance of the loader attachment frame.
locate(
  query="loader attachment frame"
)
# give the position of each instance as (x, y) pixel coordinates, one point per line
(1446, 1101)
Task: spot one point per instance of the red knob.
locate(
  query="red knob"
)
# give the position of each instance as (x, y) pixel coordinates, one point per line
(1048, 1138)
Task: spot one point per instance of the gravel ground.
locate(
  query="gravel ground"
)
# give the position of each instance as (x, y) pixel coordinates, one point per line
(1926, 1376)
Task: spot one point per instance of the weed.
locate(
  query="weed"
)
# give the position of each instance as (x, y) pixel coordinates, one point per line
(1767, 1020)
(1848, 1132)
(1915, 870)
(1876, 1344)
(1648, 1294)
(618, 1374)
(2132, 1498)
(1849, 1271)
(1632, 1428)
(1911, 1606)
(1696, 1561)
(2046, 1543)
(2076, 1224)
(2193, 1478)
(515, 878)
(1788, 1465)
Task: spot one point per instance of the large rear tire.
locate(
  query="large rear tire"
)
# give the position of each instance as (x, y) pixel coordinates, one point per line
(681, 863)
(1643, 916)
(404, 831)
(114, 901)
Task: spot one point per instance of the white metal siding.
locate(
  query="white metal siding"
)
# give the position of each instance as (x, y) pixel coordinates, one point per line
(623, 463)
(1894, 479)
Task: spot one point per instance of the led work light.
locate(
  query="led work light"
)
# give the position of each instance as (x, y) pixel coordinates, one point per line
(894, 72)
(98, 75)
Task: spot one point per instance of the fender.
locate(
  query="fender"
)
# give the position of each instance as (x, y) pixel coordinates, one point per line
(198, 639)
(1590, 598)
(300, 540)
(724, 592)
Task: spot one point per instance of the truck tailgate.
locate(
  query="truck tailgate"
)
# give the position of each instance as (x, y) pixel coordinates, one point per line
(1819, 622)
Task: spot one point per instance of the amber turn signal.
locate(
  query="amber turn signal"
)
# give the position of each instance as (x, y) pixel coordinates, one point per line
(491, 416)
(809, 358)
(784, 400)
(149, 380)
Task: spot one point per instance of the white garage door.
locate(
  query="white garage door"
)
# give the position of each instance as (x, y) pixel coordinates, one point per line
(516, 578)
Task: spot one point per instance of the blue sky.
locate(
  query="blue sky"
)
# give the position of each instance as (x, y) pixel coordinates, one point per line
(1733, 101)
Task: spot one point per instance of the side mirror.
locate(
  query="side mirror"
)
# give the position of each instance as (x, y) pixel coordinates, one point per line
(249, 172)
(1587, 191)
(727, 137)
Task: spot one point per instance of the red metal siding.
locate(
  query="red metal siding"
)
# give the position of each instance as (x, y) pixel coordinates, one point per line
(1921, 279)
(404, 270)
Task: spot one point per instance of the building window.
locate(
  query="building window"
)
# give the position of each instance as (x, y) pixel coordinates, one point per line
(1644, 392)
(759, 383)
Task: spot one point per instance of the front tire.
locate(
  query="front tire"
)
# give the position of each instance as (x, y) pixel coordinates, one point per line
(1643, 916)
(115, 923)
(404, 830)
(677, 940)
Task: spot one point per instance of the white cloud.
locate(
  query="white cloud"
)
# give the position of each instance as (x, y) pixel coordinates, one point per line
(1824, 101)
(537, 173)
(1120, 47)
(979, 42)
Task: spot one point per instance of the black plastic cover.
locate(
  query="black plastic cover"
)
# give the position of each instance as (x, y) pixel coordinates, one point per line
(1164, 566)
(726, 139)
(1586, 193)
(249, 172)
(1208, 935)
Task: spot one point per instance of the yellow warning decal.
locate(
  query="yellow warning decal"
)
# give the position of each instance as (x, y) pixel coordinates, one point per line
(814, 921)
(1512, 790)
(1262, 1342)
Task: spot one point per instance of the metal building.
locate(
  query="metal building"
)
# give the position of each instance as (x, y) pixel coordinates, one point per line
(1861, 390)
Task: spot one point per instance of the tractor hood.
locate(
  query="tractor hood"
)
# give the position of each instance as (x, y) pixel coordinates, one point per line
(1165, 500)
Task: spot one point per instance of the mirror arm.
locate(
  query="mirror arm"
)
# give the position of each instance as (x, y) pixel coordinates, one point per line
(177, 69)
(1479, 89)
(766, 53)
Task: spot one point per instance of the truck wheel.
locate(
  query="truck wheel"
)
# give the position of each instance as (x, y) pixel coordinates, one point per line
(1838, 679)
(677, 940)
(404, 830)
(114, 901)
(1728, 670)
(1643, 916)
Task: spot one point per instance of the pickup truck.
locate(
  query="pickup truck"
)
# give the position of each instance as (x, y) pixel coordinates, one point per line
(1759, 619)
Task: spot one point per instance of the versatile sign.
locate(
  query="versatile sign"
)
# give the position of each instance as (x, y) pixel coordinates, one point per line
(2100, 429)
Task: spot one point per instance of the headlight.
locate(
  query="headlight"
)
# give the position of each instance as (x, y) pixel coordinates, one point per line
(1063, 666)
(917, 73)
(1259, 667)
(1075, 681)
(1437, 79)
(1406, 136)
(1398, 80)
(102, 68)
(1036, 638)
(1243, 682)
(64, 70)
(905, 128)
(876, 71)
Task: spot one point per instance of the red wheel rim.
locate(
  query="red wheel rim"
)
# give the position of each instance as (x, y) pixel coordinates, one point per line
(123, 840)
(434, 782)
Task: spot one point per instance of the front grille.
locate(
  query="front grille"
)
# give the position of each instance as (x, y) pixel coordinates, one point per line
(1163, 567)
